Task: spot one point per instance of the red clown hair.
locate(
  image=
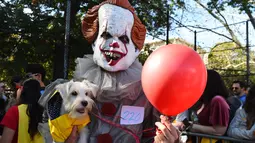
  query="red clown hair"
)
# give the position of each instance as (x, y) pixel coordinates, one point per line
(90, 24)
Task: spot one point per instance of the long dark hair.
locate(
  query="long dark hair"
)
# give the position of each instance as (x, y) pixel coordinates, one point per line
(250, 108)
(214, 86)
(30, 96)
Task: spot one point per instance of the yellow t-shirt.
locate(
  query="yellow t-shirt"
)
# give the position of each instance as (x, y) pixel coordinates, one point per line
(23, 135)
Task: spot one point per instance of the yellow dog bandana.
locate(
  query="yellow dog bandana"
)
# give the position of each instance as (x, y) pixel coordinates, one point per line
(61, 125)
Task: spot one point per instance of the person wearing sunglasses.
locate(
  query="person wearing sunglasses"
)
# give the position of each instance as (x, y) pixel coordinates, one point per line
(239, 88)
(36, 71)
(243, 124)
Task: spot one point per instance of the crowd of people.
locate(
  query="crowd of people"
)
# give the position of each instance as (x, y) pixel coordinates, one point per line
(20, 114)
(117, 36)
(219, 112)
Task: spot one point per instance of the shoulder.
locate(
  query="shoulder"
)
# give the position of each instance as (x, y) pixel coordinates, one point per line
(13, 109)
(241, 112)
(13, 112)
(11, 118)
(219, 100)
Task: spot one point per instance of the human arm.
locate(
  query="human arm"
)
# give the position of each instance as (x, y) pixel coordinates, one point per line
(218, 118)
(237, 127)
(214, 130)
(73, 136)
(7, 136)
(167, 133)
(10, 124)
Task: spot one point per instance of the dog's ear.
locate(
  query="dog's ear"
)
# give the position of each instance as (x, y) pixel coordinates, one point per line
(92, 87)
(93, 90)
(63, 89)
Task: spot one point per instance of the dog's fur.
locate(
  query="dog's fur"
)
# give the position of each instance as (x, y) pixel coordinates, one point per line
(77, 102)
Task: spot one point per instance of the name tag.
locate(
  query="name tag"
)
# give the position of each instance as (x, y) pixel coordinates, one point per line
(131, 115)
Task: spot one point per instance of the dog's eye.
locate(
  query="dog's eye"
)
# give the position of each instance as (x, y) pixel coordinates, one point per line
(74, 93)
(86, 93)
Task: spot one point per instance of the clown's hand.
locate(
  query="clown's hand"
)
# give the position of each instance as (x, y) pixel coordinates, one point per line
(73, 136)
(167, 133)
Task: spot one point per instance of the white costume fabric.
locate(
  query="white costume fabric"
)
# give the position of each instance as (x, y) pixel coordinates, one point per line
(120, 88)
(117, 36)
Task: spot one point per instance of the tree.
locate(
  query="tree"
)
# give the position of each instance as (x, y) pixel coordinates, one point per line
(34, 37)
(150, 47)
(215, 12)
(230, 61)
(246, 6)
(37, 36)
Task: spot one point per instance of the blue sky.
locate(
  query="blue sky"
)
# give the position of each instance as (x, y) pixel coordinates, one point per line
(198, 16)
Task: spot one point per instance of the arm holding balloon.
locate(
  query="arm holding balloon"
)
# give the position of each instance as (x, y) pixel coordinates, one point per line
(167, 133)
(156, 82)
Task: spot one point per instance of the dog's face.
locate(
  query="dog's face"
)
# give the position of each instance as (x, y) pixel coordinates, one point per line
(77, 98)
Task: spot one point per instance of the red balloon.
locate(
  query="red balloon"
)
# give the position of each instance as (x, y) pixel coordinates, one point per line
(173, 78)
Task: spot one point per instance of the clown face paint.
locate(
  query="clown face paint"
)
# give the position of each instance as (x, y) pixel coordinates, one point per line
(113, 48)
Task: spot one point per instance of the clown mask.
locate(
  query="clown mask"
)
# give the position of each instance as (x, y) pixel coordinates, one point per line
(113, 48)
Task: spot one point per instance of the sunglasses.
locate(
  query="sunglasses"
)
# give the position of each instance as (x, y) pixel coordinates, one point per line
(30, 75)
(36, 74)
(235, 88)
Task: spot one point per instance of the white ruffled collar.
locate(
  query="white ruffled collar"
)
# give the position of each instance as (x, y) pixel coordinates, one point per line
(113, 86)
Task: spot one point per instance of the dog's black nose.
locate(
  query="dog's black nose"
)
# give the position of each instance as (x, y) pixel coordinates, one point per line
(84, 103)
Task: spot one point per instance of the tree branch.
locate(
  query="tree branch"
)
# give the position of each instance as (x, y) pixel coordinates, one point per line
(234, 38)
(208, 29)
(220, 13)
(249, 13)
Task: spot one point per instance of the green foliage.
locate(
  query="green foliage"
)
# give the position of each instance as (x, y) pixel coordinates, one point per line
(242, 5)
(230, 61)
(145, 53)
(34, 33)
(226, 58)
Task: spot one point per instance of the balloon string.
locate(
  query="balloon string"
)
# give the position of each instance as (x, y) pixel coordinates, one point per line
(149, 129)
(118, 126)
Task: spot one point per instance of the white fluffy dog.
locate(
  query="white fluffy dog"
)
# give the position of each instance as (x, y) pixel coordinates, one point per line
(77, 101)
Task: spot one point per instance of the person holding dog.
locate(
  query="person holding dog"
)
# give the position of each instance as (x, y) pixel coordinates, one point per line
(117, 36)
(122, 112)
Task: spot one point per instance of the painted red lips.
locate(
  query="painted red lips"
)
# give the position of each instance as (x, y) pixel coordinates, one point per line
(112, 56)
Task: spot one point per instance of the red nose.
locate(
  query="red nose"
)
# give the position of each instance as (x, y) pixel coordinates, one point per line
(114, 45)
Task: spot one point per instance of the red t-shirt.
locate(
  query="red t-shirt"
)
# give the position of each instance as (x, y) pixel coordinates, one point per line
(215, 113)
(11, 120)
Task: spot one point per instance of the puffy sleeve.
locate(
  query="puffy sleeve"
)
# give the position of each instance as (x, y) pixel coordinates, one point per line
(219, 112)
(237, 127)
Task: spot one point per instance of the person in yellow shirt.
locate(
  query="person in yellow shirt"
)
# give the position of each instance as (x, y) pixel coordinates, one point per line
(20, 122)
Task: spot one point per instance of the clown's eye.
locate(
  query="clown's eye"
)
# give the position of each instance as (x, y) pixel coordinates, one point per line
(74, 93)
(124, 39)
(106, 35)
